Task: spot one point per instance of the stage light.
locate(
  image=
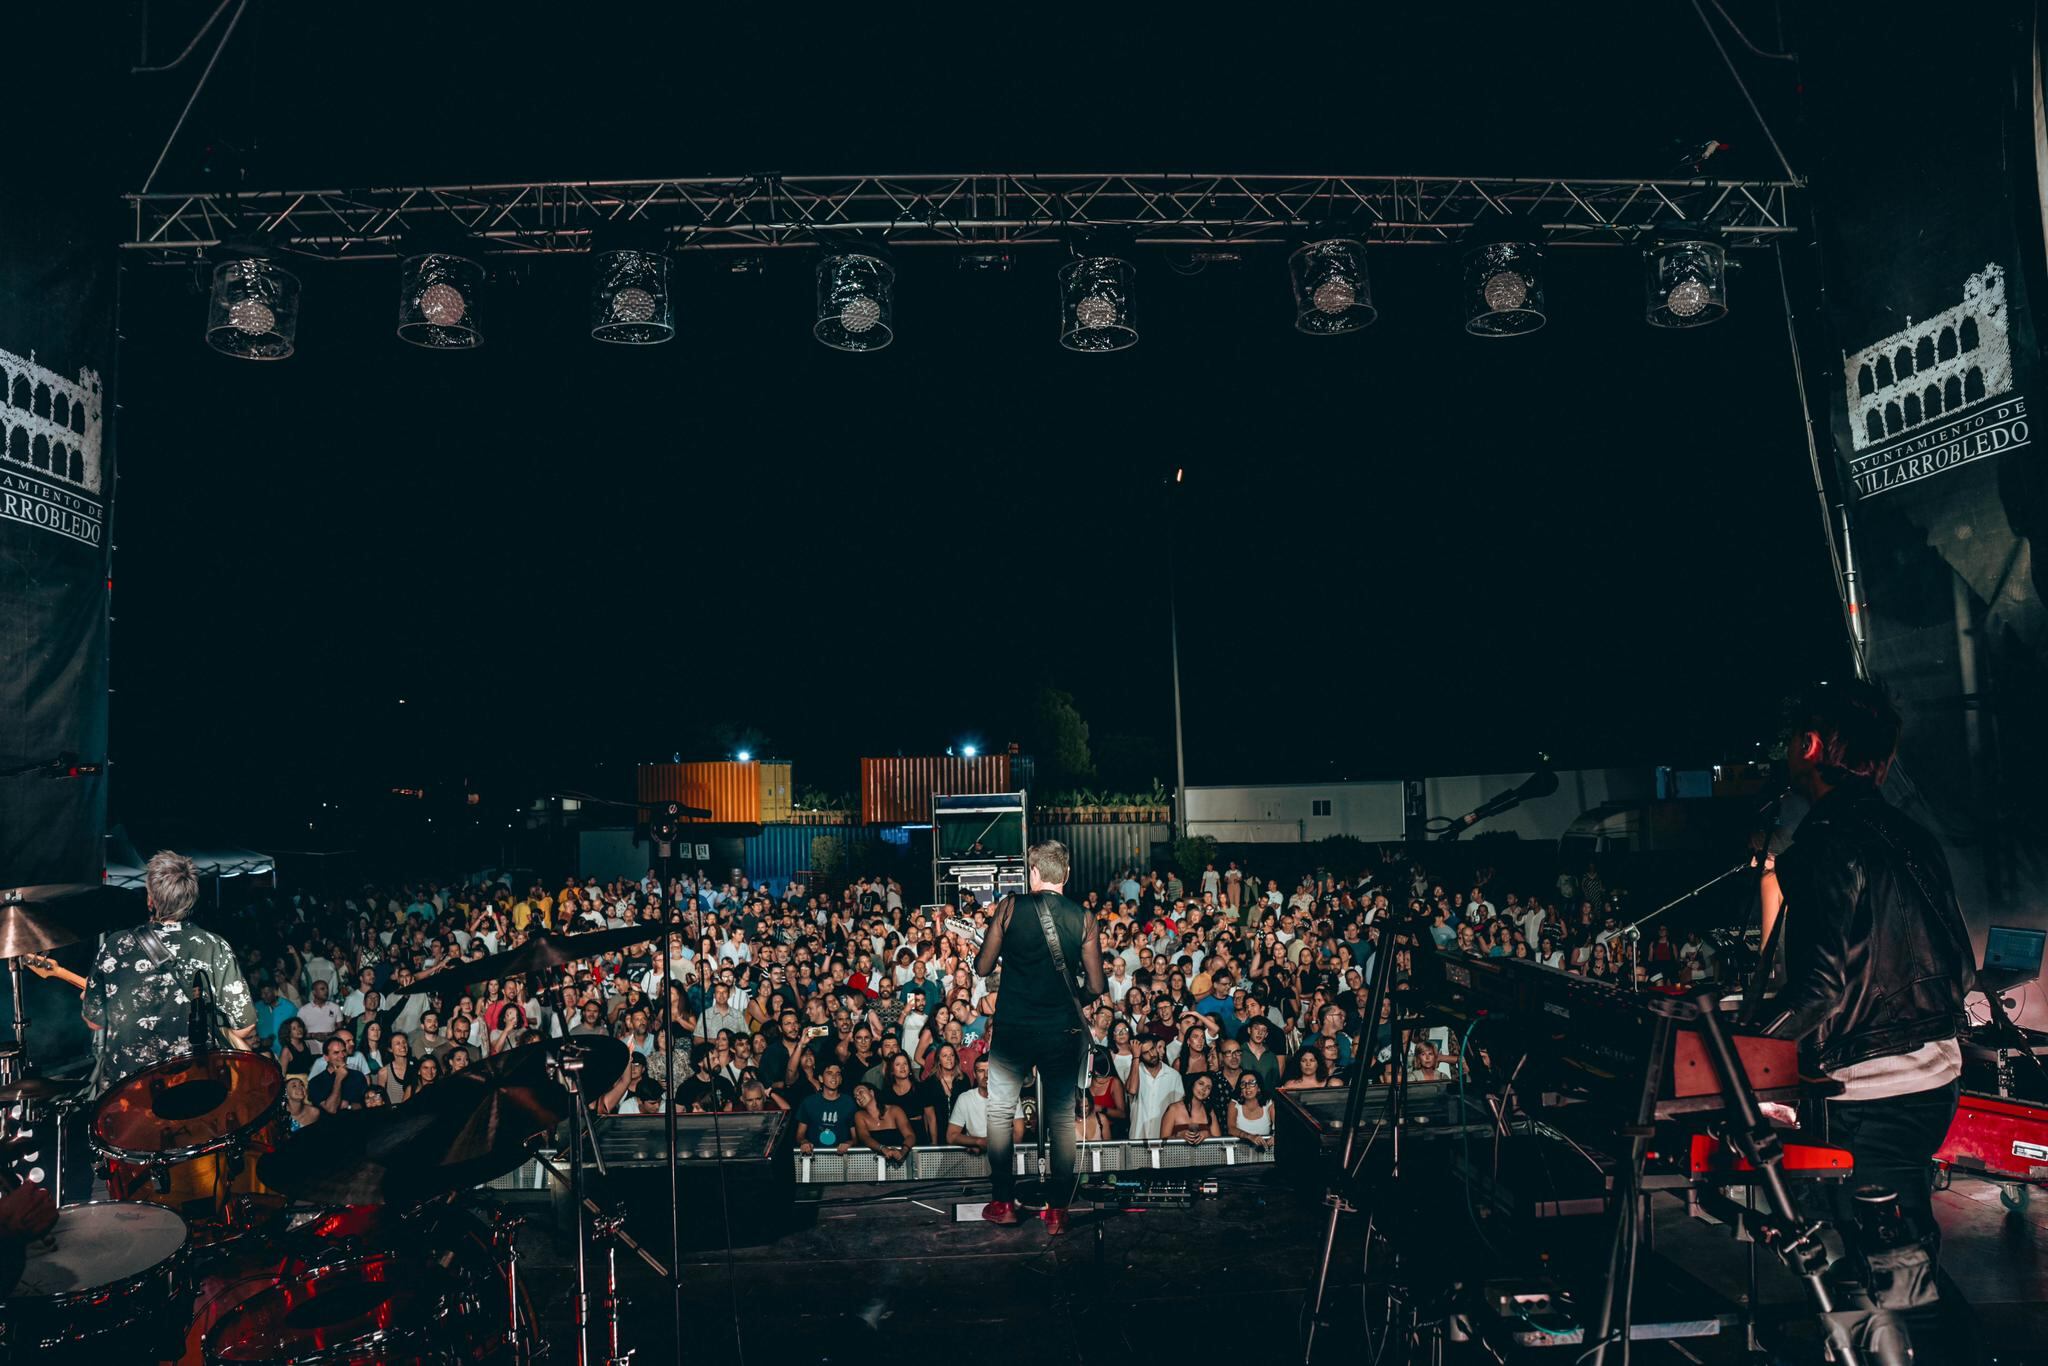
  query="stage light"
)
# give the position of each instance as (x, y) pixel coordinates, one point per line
(1095, 304)
(968, 751)
(1332, 292)
(856, 300)
(253, 311)
(1685, 283)
(744, 756)
(629, 298)
(437, 301)
(1503, 281)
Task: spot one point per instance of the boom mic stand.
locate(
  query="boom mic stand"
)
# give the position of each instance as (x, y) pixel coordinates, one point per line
(1354, 1107)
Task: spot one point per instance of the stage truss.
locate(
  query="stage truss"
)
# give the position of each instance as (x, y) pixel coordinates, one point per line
(991, 213)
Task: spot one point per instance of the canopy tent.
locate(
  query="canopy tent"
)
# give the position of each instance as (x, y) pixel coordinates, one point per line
(124, 863)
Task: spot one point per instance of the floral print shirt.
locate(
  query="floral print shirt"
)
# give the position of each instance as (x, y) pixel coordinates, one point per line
(142, 1009)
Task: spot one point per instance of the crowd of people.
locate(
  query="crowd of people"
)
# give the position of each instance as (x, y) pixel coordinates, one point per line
(861, 1014)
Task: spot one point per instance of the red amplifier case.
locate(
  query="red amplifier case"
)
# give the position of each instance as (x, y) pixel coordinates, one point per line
(2007, 1139)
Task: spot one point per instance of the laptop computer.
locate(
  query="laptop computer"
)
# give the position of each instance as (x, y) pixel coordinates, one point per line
(2012, 955)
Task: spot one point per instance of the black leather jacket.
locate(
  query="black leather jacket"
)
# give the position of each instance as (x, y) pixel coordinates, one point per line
(1878, 955)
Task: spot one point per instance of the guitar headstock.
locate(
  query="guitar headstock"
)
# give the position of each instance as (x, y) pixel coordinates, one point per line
(966, 929)
(38, 964)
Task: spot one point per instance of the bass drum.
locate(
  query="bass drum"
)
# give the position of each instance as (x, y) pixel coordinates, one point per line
(383, 1308)
(109, 1275)
(366, 1266)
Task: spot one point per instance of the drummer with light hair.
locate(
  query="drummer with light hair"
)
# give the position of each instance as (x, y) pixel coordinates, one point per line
(145, 981)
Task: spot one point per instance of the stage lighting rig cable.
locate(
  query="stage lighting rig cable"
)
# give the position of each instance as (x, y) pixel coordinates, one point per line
(1736, 29)
(1747, 98)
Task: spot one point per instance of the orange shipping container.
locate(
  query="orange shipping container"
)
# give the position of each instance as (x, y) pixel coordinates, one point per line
(900, 791)
(730, 791)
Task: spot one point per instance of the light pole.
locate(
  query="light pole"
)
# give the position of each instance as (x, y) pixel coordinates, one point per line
(1180, 755)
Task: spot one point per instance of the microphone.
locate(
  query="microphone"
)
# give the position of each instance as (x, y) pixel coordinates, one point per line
(1541, 783)
(197, 1020)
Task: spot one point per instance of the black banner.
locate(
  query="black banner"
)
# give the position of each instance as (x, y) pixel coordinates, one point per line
(57, 250)
(1929, 210)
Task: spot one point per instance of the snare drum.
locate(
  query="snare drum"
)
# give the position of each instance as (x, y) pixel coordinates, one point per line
(382, 1307)
(185, 1133)
(103, 1268)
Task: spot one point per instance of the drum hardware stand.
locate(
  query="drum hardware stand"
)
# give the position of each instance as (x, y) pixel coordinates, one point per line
(653, 1263)
(20, 1011)
(569, 1073)
(505, 1235)
(609, 1228)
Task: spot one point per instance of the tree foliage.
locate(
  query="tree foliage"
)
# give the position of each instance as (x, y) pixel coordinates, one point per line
(1191, 854)
(1059, 741)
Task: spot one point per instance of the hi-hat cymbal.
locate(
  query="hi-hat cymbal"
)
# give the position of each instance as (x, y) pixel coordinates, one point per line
(40, 1088)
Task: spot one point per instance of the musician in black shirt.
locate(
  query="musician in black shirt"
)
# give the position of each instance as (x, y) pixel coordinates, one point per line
(1878, 964)
(1038, 1023)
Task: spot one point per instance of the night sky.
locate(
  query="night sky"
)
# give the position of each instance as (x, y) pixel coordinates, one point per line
(1404, 551)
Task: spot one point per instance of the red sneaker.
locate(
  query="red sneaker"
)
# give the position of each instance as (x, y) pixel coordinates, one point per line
(1000, 1212)
(1055, 1220)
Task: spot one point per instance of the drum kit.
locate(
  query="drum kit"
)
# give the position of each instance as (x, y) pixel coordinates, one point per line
(228, 1238)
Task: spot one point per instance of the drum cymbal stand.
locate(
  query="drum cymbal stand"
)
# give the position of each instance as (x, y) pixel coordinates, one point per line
(609, 1228)
(568, 1067)
(505, 1237)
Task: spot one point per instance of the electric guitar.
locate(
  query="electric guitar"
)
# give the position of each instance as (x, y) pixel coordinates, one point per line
(1077, 986)
(45, 967)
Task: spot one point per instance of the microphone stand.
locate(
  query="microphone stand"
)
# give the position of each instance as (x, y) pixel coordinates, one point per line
(1633, 931)
(668, 1108)
(1362, 1060)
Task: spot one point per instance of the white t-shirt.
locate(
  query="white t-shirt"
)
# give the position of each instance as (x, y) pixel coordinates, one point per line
(1155, 1093)
(320, 1019)
(970, 1112)
(1903, 1074)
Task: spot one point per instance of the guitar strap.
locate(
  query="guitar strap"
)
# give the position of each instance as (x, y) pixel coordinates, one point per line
(153, 945)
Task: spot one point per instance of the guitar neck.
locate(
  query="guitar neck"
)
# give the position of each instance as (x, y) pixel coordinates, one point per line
(44, 967)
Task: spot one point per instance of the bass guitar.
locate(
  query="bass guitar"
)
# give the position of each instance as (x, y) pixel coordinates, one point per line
(46, 968)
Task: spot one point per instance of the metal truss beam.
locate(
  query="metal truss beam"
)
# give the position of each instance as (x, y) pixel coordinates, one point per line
(990, 212)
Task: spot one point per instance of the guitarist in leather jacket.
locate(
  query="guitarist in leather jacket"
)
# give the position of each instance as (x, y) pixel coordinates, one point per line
(1038, 1023)
(1878, 964)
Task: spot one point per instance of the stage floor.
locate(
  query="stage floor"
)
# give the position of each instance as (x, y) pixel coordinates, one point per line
(885, 1274)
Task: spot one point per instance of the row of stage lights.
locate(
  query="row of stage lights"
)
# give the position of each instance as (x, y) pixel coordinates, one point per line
(253, 311)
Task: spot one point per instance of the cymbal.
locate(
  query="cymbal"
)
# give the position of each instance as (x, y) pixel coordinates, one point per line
(40, 1088)
(542, 950)
(604, 1062)
(70, 910)
(24, 929)
(459, 1132)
